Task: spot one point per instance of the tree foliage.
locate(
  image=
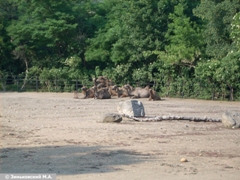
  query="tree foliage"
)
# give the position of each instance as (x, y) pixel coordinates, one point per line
(184, 37)
(218, 16)
(235, 30)
(180, 47)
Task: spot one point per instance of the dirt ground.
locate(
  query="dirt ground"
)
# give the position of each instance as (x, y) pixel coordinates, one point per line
(54, 133)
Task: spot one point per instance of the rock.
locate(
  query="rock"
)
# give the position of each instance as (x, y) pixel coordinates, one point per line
(112, 118)
(184, 160)
(132, 108)
(231, 119)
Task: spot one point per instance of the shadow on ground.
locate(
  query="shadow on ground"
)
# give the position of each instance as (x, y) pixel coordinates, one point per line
(66, 159)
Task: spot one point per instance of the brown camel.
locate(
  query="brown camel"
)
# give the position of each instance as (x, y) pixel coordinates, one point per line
(146, 92)
(113, 90)
(87, 92)
(123, 91)
(104, 83)
(101, 85)
(139, 92)
(153, 95)
(103, 80)
(102, 93)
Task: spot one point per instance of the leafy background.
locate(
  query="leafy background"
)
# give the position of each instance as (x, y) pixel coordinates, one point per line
(183, 48)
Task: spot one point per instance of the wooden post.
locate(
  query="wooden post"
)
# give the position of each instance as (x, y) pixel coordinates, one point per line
(76, 88)
(17, 83)
(37, 84)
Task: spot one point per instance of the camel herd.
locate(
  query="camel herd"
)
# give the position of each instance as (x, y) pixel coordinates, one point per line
(104, 89)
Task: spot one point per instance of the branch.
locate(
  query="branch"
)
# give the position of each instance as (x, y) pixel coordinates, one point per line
(171, 117)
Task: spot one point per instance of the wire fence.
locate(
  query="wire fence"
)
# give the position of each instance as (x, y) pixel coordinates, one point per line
(35, 85)
(174, 89)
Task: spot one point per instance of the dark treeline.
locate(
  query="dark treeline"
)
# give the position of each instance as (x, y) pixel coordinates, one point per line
(180, 46)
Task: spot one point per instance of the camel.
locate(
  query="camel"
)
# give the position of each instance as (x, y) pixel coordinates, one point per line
(87, 92)
(139, 92)
(146, 92)
(113, 90)
(101, 85)
(102, 93)
(102, 81)
(123, 91)
(128, 87)
(153, 95)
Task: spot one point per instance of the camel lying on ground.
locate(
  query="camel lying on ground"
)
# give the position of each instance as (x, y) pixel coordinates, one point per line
(103, 89)
(124, 91)
(87, 92)
(102, 93)
(153, 95)
(146, 92)
(139, 92)
(113, 90)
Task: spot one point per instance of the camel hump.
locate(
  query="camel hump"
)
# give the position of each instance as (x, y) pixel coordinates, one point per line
(147, 87)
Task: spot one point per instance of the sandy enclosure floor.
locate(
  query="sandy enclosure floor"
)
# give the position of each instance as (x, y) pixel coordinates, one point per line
(54, 133)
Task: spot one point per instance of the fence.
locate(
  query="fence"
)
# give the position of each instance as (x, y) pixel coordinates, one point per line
(18, 84)
(174, 89)
(35, 85)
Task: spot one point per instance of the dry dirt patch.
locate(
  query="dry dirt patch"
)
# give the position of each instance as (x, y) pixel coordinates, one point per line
(54, 133)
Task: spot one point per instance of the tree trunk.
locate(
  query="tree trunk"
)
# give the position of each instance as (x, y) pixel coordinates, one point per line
(26, 74)
(21, 53)
(231, 93)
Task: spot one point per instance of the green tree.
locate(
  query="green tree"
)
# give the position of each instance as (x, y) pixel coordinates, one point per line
(183, 48)
(45, 28)
(207, 73)
(7, 13)
(229, 72)
(235, 30)
(184, 36)
(217, 15)
(134, 29)
(45, 34)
